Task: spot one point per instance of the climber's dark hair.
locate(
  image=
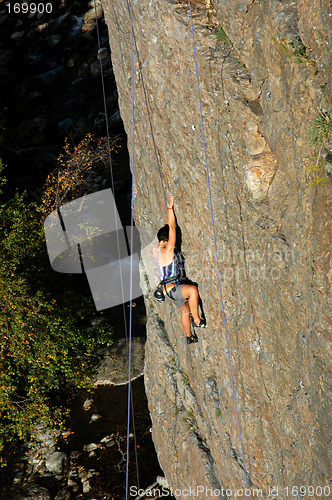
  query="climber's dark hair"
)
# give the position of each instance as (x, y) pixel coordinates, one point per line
(163, 233)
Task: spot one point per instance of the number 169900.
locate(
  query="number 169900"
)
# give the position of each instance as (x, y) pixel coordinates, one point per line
(29, 8)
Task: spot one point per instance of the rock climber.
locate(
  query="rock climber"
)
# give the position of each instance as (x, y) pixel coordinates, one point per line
(183, 295)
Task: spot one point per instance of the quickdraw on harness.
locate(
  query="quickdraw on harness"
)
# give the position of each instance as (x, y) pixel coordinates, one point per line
(176, 279)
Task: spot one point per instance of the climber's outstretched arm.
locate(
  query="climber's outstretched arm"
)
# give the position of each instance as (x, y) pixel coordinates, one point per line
(172, 226)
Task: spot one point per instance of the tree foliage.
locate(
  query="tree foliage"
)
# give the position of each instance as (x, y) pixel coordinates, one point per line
(47, 349)
(78, 167)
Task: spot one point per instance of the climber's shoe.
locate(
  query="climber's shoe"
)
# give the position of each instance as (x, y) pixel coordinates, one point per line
(201, 324)
(192, 339)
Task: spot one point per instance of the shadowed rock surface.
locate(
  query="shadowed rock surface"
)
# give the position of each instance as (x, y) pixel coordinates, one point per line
(263, 80)
(114, 367)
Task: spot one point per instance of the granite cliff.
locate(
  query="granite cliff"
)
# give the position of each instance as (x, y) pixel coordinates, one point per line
(264, 69)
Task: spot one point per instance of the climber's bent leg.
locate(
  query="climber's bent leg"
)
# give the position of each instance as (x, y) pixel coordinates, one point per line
(185, 319)
(190, 292)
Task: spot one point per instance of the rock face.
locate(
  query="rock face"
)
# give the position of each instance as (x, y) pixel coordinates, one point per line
(264, 70)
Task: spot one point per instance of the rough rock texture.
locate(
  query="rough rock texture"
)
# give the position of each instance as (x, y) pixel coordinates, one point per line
(114, 367)
(261, 86)
(57, 462)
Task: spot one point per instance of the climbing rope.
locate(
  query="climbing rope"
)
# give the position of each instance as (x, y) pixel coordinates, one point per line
(215, 246)
(148, 111)
(131, 232)
(130, 395)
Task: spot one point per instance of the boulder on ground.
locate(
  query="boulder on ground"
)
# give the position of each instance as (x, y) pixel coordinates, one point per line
(114, 367)
(57, 462)
(17, 35)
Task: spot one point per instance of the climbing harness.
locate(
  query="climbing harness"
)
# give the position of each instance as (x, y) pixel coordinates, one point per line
(180, 276)
(175, 280)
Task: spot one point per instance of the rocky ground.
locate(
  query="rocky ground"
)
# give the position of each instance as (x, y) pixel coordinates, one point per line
(89, 461)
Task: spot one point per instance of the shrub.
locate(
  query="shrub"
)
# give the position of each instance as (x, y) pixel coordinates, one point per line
(320, 131)
(221, 36)
(320, 135)
(299, 49)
